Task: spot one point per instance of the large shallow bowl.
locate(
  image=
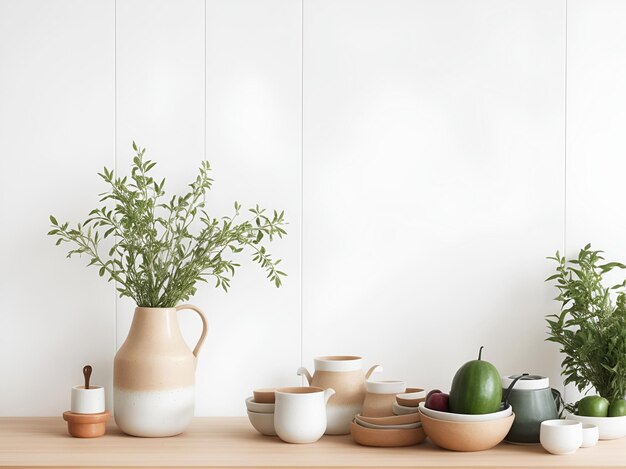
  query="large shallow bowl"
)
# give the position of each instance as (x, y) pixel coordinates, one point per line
(392, 420)
(610, 428)
(402, 426)
(451, 417)
(262, 423)
(386, 438)
(467, 436)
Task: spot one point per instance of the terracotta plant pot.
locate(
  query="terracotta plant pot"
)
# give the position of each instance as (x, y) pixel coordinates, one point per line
(154, 374)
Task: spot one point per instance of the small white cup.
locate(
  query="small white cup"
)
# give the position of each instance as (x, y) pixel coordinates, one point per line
(591, 434)
(87, 401)
(561, 436)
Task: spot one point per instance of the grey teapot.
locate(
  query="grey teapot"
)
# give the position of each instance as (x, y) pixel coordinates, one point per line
(533, 401)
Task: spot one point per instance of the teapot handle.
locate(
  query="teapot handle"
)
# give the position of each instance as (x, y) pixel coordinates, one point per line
(558, 400)
(505, 398)
(205, 325)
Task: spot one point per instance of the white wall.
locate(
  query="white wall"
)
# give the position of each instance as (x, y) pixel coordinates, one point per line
(433, 189)
(417, 147)
(596, 119)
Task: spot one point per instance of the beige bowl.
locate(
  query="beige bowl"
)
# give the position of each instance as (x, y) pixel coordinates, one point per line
(262, 423)
(386, 438)
(410, 399)
(259, 407)
(398, 409)
(393, 420)
(439, 415)
(467, 436)
(411, 390)
(404, 426)
(264, 395)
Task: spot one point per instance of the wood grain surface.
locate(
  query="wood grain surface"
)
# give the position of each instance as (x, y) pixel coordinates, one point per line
(232, 442)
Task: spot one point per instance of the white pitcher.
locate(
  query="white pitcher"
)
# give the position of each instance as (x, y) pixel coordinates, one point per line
(300, 413)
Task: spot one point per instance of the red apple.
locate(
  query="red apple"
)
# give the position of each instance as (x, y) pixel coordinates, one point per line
(430, 393)
(437, 401)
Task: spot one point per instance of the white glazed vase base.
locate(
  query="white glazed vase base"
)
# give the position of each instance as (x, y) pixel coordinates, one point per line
(154, 413)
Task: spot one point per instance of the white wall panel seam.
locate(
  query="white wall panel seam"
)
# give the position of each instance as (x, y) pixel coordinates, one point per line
(301, 179)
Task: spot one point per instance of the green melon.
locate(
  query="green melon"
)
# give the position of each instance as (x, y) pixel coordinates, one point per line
(476, 388)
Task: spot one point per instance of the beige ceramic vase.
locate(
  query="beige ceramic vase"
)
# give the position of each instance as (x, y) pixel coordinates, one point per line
(345, 375)
(154, 374)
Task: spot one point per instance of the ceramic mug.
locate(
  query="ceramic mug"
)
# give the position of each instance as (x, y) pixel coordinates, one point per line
(561, 436)
(87, 401)
(300, 413)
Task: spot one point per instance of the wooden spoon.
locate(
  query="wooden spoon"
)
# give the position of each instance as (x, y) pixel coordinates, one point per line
(87, 374)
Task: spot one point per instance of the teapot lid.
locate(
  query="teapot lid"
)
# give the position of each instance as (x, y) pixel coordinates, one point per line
(527, 383)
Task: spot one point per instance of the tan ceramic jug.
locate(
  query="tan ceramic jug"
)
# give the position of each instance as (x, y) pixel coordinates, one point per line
(345, 375)
(154, 374)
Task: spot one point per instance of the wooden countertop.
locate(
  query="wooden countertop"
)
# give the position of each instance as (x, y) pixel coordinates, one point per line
(232, 442)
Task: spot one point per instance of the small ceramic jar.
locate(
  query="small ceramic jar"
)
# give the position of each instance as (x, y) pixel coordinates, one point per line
(87, 401)
(88, 416)
(380, 397)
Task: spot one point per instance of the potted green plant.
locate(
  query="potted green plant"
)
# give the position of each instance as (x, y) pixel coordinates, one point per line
(156, 250)
(591, 331)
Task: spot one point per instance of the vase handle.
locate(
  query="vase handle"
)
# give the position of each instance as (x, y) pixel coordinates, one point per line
(205, 326)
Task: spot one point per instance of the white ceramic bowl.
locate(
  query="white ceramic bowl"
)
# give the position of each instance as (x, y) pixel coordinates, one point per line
(385, 387)
(590, 435)
(451, 417)
(561, 436)
(403, 410)
(406, 426)
(262, 423)
(609, 428)
(259, 407)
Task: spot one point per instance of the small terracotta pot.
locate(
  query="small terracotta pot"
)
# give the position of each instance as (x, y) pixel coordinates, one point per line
(86, 425)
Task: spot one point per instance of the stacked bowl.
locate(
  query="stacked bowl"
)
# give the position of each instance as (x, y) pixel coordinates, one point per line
(404, 428)
(392, 431)
(466, 432)
(408, 402)
(261, 411)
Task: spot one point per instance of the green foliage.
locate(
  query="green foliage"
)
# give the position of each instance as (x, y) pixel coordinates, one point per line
(591, 327)
(161, 248)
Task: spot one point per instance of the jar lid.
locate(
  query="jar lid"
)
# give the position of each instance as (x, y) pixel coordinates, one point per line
(526, 383)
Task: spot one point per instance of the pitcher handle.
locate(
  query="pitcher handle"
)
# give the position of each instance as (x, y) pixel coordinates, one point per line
(205, 325)
(302, 371)
(558, 400)
(328, 392)
(373, 369)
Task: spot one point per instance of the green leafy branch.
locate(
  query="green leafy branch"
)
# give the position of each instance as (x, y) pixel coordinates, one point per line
(162, 248)
(591, 326)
